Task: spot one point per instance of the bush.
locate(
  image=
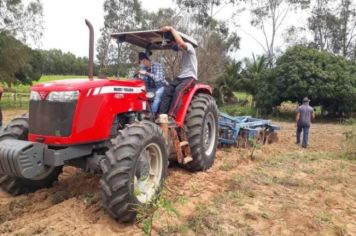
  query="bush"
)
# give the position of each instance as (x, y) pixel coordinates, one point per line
(329, 80)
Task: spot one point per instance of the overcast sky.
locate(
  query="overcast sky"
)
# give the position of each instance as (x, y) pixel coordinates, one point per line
(65, 28)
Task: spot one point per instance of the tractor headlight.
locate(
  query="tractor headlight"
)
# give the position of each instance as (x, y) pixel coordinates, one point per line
(35, 96)
(64, 96)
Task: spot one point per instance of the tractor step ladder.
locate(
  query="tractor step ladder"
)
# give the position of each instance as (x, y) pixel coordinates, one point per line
(177, 140)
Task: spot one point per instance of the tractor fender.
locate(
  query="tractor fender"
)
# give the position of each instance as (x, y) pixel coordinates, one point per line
(187, 99)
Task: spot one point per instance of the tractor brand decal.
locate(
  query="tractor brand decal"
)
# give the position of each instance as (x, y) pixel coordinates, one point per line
(121, 89)
(115, 90)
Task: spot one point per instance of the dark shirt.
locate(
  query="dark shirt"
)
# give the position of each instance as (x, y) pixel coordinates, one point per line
(306, 113)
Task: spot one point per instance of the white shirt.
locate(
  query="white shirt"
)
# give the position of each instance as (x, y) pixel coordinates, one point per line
(189, 63)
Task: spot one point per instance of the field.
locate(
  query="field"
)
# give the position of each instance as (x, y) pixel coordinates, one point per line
(279, 190)
(46, 78)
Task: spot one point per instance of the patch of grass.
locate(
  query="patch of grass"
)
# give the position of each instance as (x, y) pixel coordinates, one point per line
(90, 198)
(288, 181)
(17, 204)
(150, 212)
(243, 95)
(238, 110)
(195, 187)
(309, 171)
(40, 230)
(227, 166)
(205, 218)
(59, 196)
(180, 229)
(262, 178)
(335, 179)
(235, 183)
(236, 190)
(340, 230)
(182, 200)
(350, 150)
(323, 218)
(234, 197)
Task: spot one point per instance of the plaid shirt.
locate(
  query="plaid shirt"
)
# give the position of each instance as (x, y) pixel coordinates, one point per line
(158, 75)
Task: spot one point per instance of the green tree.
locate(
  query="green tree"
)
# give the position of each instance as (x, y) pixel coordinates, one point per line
(33, 70)
(14, 57)
(56, 62)
(251, 74)
(329, 80)
(228, 83)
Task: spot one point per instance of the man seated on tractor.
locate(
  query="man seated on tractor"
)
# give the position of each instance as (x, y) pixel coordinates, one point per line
(172, 96)
(154, 77)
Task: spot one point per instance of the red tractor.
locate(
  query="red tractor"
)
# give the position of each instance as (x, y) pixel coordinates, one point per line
(104, 126)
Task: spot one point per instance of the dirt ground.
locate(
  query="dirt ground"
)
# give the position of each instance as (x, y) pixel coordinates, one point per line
(280, 190)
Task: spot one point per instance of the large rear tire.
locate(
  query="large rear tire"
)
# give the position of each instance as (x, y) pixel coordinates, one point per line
(134, 169)
(18, 129)
(201, 127)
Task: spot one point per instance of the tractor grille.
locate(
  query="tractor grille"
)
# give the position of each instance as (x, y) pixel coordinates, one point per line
(52, 118)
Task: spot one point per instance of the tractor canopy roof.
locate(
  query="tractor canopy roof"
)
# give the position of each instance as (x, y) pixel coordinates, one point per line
(152, 39)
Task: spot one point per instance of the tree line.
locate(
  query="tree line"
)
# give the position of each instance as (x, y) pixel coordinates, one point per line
(22, 65)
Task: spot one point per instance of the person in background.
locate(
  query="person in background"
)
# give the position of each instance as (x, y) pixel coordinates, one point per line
(304, 117)
(154, 77)
(172, 97)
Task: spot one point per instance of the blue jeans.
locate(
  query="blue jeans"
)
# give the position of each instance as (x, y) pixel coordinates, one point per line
(157, 99)
(305, 130)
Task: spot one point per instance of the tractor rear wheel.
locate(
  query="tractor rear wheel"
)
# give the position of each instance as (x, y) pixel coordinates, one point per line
(201, 127)
(134, 169)
(18, 129)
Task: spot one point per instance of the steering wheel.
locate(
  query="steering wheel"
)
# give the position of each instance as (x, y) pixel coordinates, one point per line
(136, 76)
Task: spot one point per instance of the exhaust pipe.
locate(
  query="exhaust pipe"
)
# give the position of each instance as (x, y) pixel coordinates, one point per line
(91, 49)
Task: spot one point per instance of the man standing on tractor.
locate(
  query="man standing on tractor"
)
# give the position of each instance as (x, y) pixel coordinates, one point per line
(172, 96)
(304, 117)
(154, 78)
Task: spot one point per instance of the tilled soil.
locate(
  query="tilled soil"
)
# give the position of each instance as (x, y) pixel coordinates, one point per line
(280, 190)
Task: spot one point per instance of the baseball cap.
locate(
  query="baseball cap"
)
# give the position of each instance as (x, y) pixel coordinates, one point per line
(306, 99)
(143, 55)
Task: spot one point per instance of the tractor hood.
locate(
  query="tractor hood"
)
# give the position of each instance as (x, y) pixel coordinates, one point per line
(84, 84)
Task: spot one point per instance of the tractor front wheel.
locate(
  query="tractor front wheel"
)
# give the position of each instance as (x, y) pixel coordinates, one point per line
(134, 169)
(201, 127)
